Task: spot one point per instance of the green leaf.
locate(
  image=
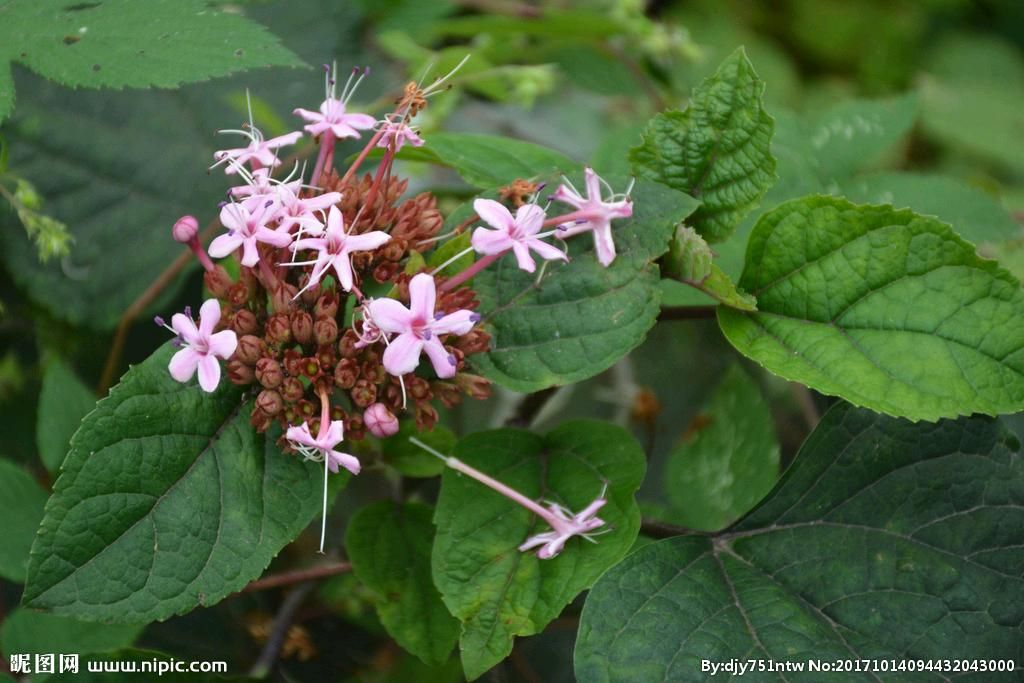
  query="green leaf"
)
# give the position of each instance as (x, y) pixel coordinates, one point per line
(120, 43)
(887, 309)
(728, 460)
(168, 500)
(21, 508)
(63, 401)
(488, 161)
(449, 250)
(884, 540)
(716, 150)
(410, 459)
(974, 214)
(583, 317)
(389, 546)
(26, 631)
(854, 133)
(497, 591)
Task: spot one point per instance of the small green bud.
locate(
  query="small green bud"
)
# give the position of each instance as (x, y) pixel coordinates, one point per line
(689, 256)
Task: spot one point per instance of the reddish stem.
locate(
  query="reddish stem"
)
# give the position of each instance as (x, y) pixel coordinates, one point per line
(468, 273)
(200, 253)
(326, 150)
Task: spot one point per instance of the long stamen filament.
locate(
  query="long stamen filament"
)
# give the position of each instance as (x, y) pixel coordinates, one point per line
(450, 261)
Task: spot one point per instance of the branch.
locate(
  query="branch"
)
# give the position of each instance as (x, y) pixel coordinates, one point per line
(529, 407)
(298, 576)
(282, 622)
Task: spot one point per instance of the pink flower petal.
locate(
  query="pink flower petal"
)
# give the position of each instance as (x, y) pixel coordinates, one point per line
(209, 316)
(566, 196)
(185, 328)
(209, 373)
(225, 244)
(282, 140)
(183, 364)
(349, 462)
(390, 316)
(529, 219)
(439, 357)
(368, 241)
(361, 121)
(335, 433)
(490, 241)
(459, 322)
(403, 354)
(308, 115)
(546, 251)
(603, 244)
(335, 223)
(223, 344)
(495, 214)
(422, 296)
(276, 238)
(523, 257)
(250, 255)
(593, 184)
(343, 269)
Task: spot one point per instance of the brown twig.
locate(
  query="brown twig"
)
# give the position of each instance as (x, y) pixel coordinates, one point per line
(298, 576)
(282, 622)
(529, 407)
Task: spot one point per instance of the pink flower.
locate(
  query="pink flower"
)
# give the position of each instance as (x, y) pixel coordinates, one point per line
(247, 225)
(564, 526)
(594, 213)
(418, 329)
(260, 184)
(520, 234)
(259, 152)
(202, 347)
(380, 421)
(398, 134)
(335, 248)
(323, 445)
(303, 212)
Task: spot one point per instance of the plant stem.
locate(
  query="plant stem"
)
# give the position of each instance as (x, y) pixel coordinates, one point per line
(326, 149)
(282, 622)
(362, 156)
(468, 273)
(298, 576)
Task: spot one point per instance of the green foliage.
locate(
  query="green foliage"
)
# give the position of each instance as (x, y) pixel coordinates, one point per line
(63, 401)
(389, 545)
(497, 591)
(21, 508)
(582, 317)
(885, 539)
(120, 43)
(410, 459)
(855, 133)
(488, 161)
(716, 150)
(728, 459)
(887, 309)
(690, 261)
(28, 631)
(167, 501)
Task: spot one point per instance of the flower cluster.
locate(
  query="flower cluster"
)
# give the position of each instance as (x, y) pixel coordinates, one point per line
(326, 320)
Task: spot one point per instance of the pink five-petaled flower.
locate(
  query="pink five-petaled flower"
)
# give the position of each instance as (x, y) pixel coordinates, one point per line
(323, 445)
(260, 151)
(397, 135)
(202, 347)
(335, 248)
(333, 117)
(594, 213)
(518, 233)
(247, 224)
(303, 211)
(564, 526)
(418, 329)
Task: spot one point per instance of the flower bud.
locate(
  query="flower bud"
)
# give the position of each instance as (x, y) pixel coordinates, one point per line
(327, 356)
(250, 348)
(426, 416)
(447, 393)
(394, 249)
(270, 402)
(302, 327)
(385, 272)
(419, 389)
(239, 372)
(374, 371)
(259, 419)
(325, 330)
(185, 229)
(292, 390)
(269, 373)
(346, 373)
(282, 297)
(347, 345)
(380, 421)
(689, 256)
(473, 385)
(326, 305)
(355, 428)
(310, 367)
(279, 329)
(244, 321)
(218, 282)
(363, 393)
(293, 362)
(238, 294)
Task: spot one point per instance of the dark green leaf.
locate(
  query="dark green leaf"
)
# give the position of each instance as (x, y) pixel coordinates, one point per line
(389, 546)
(582, 317)
(28, 631)
(716, 150)
(168, 500)
(21, 508)
(63, 402)
(855, 133)
(410, 459)
(887, 309)
(497, 591)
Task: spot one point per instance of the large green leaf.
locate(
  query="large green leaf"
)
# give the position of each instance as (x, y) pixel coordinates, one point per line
(63, 401)
(728, 461)
(488, 161)
(887, 309)
(884, 540)
(497, 591)
(389, 545)
(717, 149)
(121, 43)
(854, 133)
(28, 631)
(583, 316)
(21, 507)
(168, 500)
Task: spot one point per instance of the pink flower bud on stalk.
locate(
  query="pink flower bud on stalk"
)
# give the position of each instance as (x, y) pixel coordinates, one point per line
(564, 524)
(186, 231)
(380, 421)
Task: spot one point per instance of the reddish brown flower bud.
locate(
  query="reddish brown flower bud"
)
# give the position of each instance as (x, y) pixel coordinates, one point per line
(426, 416)
(282, 297)
(458, 355)
(380, 421)
(393, 395)
(218, 282)
(473, 385)
(374, 371)
(385, 272)
(306, 412)
(308, 296)
(238, 294)
(292, 390)
(325, 330)
(347, 345)
(328, 357)
(293, 362)
(302, 327)
(310, 367)
(327, 305)
(446, 392)
(355, 428)
(476, 341)
(244, 321)
(279, 328)
(269, 373)
(260, 420)
(346, 373)
(270, 402)
(418, 388)
(363, 393)
(239, 372)
(394, 249)
(361, 260)
(249, 349)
